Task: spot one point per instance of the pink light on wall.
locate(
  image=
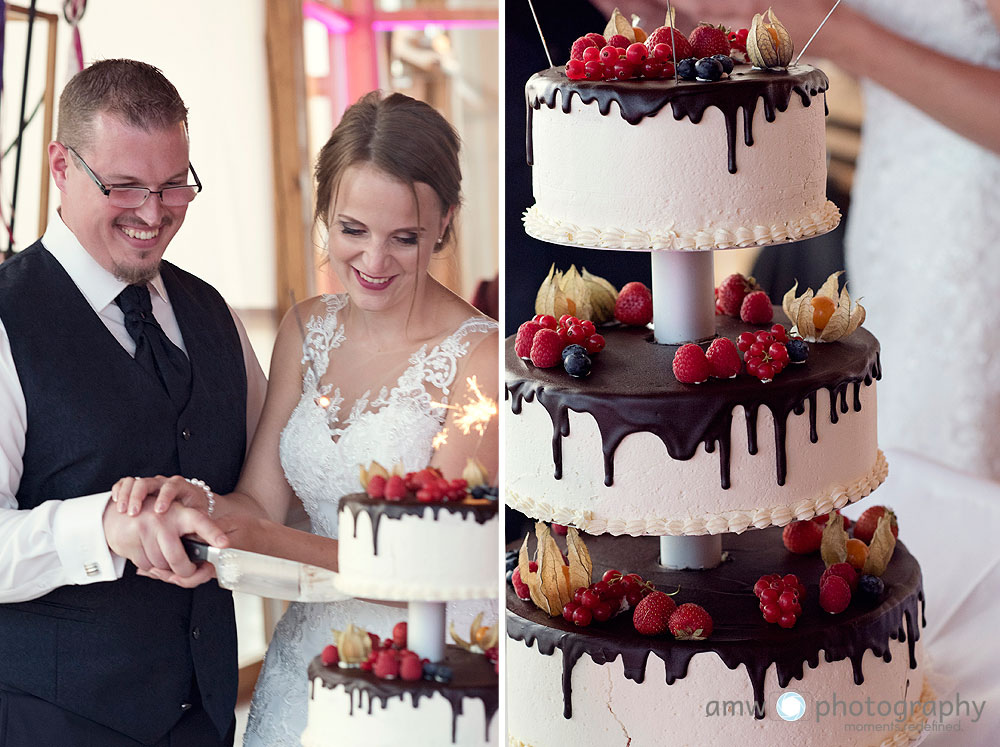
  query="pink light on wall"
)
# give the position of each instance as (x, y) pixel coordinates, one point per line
(336, 23)
(450, 23)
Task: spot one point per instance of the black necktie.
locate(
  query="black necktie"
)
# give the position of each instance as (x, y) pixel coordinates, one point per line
(153, 349)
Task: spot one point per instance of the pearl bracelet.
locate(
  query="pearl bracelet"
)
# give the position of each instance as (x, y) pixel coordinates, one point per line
(208, 493)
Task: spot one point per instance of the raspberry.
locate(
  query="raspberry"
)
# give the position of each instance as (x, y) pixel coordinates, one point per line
(723, 359)
(690, 364)
(756, 308)
(330, 657)
(634, 304)
(520, 588)
(733, 290)
(845, 571)
(386, 665)
(546, 349)
(802, 537)
(599, 41)
(376, 486)
(652, 614)
(576, 52)
(834, 595)
(411, 668)
(690, 622)
(619, 40)
(525, 336)
(709, 40)
(664, 35)
(395, 489)
(864, 527)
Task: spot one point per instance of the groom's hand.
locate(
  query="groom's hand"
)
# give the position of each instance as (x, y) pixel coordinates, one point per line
(151, 540)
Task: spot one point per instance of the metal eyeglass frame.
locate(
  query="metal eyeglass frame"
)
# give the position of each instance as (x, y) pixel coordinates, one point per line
(106, 191)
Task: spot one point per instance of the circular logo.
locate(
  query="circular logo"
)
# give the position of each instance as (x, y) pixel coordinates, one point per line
(791, 706)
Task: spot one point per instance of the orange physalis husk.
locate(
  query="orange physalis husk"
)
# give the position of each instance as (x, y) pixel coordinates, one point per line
(881, 548)
(833, 547)
(845, 319)
(553, 584)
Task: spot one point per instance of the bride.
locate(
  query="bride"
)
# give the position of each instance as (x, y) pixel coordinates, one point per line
(355, 377)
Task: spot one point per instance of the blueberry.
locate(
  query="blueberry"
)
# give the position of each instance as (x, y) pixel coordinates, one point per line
(570, 349)
(430, 670)
(727, 62)
(685, 69)
(510, 576)
(511, 559)
(798, 350)
(491, 493)
(871, 587)
(478, 492)
(708, 68)
(577, 364)
(443, 674)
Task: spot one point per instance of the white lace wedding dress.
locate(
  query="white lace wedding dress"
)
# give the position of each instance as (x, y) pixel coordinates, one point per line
(922, 251)
(320, 450)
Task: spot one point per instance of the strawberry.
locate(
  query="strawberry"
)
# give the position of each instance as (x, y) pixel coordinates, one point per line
(690, 364)
(664, 35)
(395, 489)
(399, 635)
(634, 305)
(834, 595)
(652, 613)
(845, 571)
(709, 40)
(546, 348)
(756, 308)
(330, 656)
(690, 622)
(802, 537)
(723, 359)
(864, 527)
(576, 52)
(732, 291)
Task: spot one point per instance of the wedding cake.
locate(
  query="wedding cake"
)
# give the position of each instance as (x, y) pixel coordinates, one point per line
(383, 693)
(623, 446)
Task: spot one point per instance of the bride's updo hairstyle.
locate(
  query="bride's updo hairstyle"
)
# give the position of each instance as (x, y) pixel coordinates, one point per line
(405, 139)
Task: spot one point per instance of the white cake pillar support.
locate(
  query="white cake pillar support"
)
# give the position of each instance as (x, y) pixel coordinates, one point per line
(425, 630)
(683, 296)
(684, 311)
(694, 553)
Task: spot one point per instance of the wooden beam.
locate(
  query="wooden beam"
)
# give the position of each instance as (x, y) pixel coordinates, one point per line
(289, 151)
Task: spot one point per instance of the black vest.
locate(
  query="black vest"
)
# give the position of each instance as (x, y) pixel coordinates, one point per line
(120, 653)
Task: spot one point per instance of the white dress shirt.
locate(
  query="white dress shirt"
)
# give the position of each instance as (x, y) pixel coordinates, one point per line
(62, 542)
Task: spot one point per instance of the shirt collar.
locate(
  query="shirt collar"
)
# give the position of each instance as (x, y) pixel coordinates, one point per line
(97, 285)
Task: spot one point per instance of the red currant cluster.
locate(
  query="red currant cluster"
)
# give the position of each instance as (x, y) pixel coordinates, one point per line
(764, 352)
(573, 331)
(779, 598)
(612, 62)
(614, 593)
(427, 486)
(738, 42)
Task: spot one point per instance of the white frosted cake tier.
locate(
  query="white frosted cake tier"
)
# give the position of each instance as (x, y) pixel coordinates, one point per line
(412, 551)
(679, 165)
(629, 450)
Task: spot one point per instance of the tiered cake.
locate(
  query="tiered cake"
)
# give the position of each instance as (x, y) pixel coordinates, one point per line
(423, 554)
(672, 167)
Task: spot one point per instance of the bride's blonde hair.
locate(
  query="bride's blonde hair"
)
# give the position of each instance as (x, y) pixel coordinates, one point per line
(400, 136)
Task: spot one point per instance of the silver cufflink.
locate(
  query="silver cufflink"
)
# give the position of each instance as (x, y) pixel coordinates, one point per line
(92, 569)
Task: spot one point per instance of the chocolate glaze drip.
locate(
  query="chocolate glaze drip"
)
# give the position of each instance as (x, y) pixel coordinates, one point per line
(638, 99)
(631, 389)
(482, 511)
(740, 636)
(473, 677)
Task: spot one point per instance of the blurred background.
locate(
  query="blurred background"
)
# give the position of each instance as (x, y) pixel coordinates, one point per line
(265, 81)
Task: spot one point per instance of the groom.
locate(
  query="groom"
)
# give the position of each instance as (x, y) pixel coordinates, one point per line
(114, 363)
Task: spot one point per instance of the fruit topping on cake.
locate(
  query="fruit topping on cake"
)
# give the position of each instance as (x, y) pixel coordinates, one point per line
(426, 486)
(634, 305)
(864, 527)
(802, 537)
(834, 594)
(690, 622)
(723, 359)
(731, 292)
(652, 614)
(555, 577)
(780, 598)
(768, 43)
(825, 316)
(756, 308)
(579, 294)
(707, 40)
(690, 364)
(481, 639)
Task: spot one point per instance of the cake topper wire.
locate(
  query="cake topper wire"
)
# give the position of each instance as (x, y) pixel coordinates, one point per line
(538, 26)
(673, 49)
(822, 23)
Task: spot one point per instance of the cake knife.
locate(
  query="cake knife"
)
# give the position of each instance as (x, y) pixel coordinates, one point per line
(266, 575)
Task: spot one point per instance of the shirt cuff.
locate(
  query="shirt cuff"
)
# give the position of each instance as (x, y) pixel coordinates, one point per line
(78, 531)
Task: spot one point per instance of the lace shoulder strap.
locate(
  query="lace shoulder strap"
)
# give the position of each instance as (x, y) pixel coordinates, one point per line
(322, 334)
(439, 367)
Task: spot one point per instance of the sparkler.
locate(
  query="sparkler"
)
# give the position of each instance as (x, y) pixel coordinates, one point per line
(821, 25)
(539, 27)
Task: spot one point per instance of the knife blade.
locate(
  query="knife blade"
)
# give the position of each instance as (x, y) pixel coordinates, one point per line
(266, 575)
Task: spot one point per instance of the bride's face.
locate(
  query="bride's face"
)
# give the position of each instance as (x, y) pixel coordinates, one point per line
(381, 240)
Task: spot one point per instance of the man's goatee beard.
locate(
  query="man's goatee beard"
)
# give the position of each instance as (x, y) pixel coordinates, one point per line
(136, 275)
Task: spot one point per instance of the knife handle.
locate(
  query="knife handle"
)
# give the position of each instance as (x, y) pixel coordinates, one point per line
(197, 551)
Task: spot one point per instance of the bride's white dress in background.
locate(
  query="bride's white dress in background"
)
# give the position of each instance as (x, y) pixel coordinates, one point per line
(321, 449)
(923, 249)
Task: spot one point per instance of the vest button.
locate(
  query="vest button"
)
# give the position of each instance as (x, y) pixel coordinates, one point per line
(196, 633)
(185, 706)
(186, 434)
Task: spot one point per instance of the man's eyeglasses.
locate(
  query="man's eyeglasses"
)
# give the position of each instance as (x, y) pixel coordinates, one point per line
(133, 197)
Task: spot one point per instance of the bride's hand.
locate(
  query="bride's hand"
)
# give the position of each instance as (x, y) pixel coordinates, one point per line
(129, 493)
